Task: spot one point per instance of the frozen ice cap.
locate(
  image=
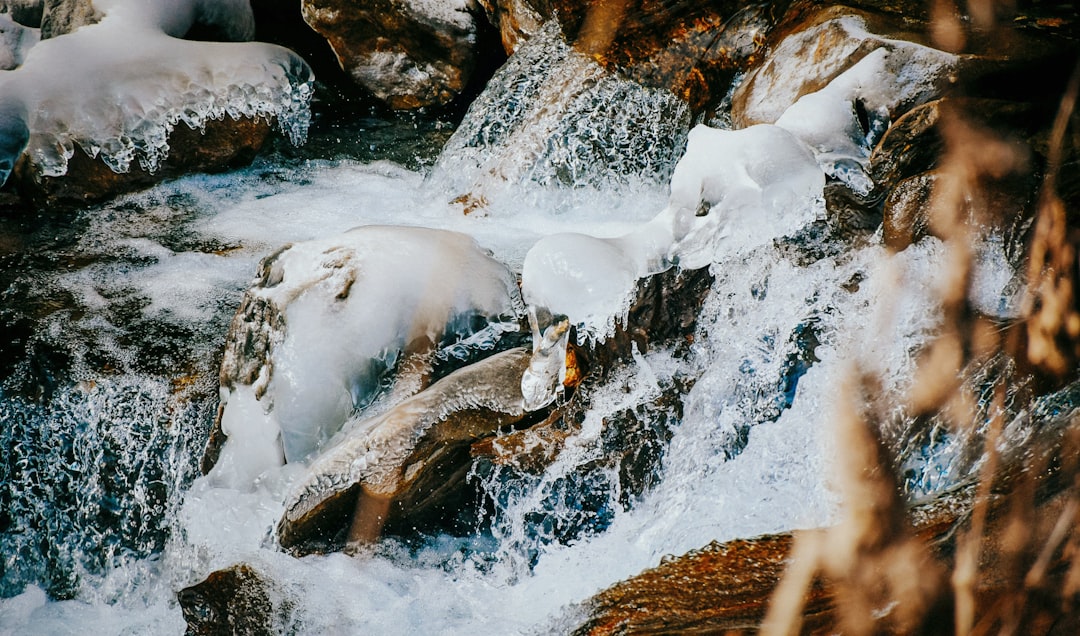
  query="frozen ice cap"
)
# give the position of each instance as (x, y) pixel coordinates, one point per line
(118, 88)
(731, 191)
(330, 324)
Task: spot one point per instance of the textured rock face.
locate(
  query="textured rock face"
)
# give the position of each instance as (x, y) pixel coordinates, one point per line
(691, 49)
(409, 54)
(553, 116)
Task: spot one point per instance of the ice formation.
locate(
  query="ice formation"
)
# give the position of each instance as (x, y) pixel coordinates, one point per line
(732, 190)
(843, 121)
(117, 88)
(328, 321)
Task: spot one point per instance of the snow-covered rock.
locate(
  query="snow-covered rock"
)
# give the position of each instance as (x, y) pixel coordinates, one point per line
(118, 88)
(825, 44)
(331, 325)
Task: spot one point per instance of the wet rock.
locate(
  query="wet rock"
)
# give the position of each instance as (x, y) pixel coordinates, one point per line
(236, 600)
(64, 16)
(409, 54)
(914, 143)
(907, 164)
(728, 586)
(387, 468)
(220, 145)
(25, 12)
(515, 20)
(691, 49)
(906, 218)
(331, 327)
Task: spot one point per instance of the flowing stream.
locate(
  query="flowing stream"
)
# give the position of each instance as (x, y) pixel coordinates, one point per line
(111, 388)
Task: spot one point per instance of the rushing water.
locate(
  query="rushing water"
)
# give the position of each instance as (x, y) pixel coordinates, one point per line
(125, 309)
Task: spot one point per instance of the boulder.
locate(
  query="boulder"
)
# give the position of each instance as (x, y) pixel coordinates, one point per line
(691, 49)
(236, 600)
(908, 164)
(337, 325)
(388, 468)
(729, 586)
(123, 106)
(409, 54)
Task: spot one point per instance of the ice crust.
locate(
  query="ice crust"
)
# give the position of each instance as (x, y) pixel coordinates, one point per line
(118, 88)
(333, 318)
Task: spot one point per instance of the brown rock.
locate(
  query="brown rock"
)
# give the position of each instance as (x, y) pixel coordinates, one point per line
(516, 21)
(64, 16)
(222, 145)
(406, 463)
(693, 49)
(409, 54)
(236, 600)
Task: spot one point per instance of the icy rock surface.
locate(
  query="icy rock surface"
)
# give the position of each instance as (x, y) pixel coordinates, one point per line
(843, 121)
(375, 451)
(320, 333)
(553, 116)
(911, 74)
(732, 191)
(118, 88)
